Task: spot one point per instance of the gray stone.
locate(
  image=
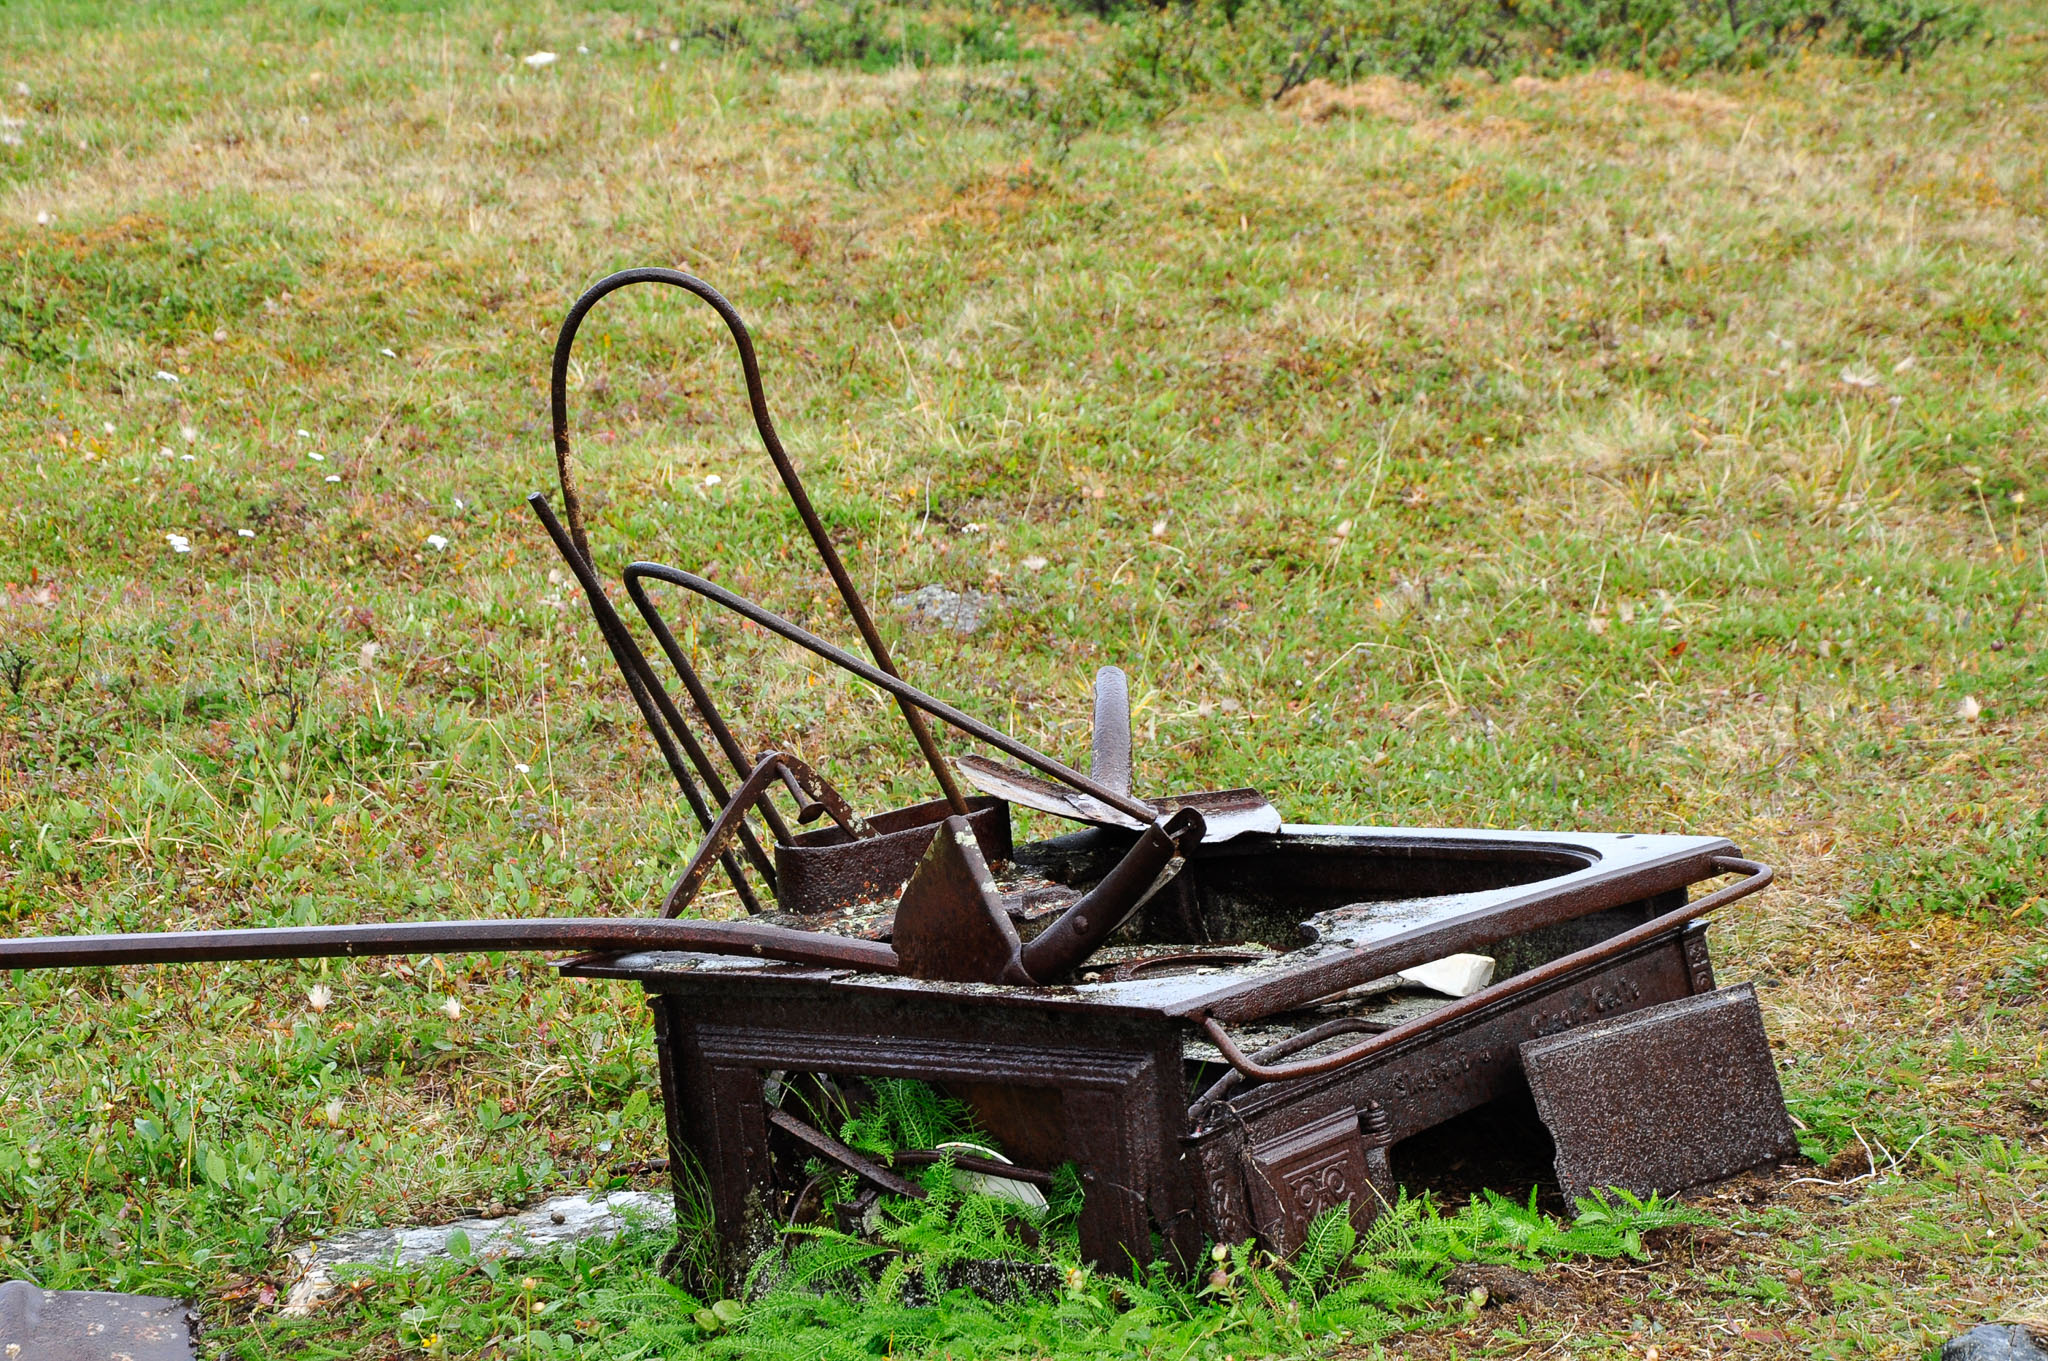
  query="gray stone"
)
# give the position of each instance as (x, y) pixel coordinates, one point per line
(1994, 1342)
(960, 611)
(564, 1219)
(92, 1325)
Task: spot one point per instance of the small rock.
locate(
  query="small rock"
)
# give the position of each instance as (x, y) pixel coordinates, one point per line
(1993, 1342)
(960, 611)
(1497, 1285)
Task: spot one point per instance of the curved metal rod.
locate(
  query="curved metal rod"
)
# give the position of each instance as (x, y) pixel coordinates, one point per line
(658, 710)
(1293, 1044)
(750, 368)
(610, 934)
(905, 693)
(1759, 876)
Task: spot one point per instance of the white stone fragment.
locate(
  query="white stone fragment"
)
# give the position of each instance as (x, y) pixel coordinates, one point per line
(560, 1220)
(1453, 975)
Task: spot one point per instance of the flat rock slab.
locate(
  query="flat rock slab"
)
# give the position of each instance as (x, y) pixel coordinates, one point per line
(92, 1325)
(1994, 1342)
(960, 611)
(564, 1219)
(1663, 1099)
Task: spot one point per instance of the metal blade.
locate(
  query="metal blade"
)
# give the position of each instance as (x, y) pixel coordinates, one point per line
(1226, 813)
(1110, 758)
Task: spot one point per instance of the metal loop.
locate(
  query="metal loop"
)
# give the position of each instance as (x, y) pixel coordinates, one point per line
(750, 368)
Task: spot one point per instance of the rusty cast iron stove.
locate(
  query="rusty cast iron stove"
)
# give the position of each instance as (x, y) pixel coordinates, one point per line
(1213, 1014)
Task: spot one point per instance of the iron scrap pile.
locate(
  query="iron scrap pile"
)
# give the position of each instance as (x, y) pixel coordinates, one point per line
(1208, 1011)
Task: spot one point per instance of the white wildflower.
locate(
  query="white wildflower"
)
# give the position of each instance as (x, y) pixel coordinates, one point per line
(1159, 529)
(107, 426)
(1034, 563)
(43, 219)
(452, 1009)
(318, 996)
(220, 333)
(712, 479)
(178, 542)
(1969, 710)
(581, 50)
(332, 1110)
(437, 542)
(1903, 364)
(539, 59)
(522, 767)
(188, 433)
(1859, 378)
(675, 44)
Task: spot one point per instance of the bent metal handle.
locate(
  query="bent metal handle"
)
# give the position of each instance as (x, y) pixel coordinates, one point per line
(750, 370)
(1758, 877)
(452, 937)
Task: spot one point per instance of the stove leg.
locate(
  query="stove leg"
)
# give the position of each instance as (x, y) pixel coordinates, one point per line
(717, 1123)
(1135, 1184)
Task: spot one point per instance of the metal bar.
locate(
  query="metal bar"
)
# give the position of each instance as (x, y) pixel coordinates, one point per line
(901, 689)
(732, 818)
(1759, 876)
(708, 710)
(825, 1146)
(750, 368)
(646, 687)
(967, 1162)
(614, 934)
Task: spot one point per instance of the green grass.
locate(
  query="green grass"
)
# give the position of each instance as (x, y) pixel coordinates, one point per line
(1581, 452)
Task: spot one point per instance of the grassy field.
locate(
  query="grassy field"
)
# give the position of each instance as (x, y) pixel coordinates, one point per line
(1591, 452)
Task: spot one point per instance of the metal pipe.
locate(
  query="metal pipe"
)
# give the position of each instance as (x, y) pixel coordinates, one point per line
(904, 692)
(607, 934)
(652, 699)
(750, 368)
(1759, 876)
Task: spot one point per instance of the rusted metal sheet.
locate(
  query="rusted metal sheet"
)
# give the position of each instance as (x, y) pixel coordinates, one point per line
(92, 1325)
(1667, 1098)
